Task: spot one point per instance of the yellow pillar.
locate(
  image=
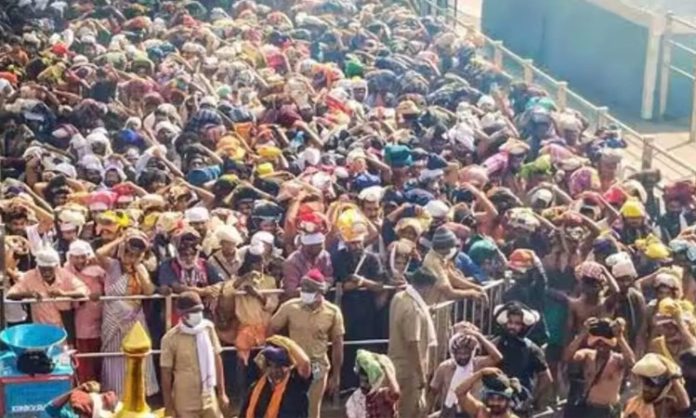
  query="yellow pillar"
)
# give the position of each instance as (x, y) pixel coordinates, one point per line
(136, 346)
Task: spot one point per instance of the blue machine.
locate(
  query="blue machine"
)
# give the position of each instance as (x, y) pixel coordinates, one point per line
(23, 395)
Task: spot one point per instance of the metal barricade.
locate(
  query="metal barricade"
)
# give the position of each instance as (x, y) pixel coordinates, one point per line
(478, 312)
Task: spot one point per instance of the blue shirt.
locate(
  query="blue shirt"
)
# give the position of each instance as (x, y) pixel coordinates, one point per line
(467, 266)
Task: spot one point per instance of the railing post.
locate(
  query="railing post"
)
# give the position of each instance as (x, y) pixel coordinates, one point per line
(168, 312)
(562, 94)
(648, 151)
(601, 115)
(528, 65)
(651, 65)
(666, 64)
(498, 54)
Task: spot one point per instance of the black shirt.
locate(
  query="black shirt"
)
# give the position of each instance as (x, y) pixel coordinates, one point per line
(521, 359)
(295, 403)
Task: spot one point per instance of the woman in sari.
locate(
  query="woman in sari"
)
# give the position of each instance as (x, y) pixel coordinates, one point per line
(125, 276)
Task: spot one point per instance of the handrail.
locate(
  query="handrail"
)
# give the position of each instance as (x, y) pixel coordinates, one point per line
(61, 299)
(681, 21)
(649, 151)
(458, 305)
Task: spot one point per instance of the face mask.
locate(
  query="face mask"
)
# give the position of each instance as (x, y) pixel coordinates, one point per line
(308, 297)
(194, 318)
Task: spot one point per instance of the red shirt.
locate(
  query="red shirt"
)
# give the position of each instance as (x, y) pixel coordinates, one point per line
(382, 404)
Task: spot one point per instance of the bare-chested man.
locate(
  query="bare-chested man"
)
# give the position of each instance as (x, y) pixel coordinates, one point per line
(597, 289)
(603, 369)
(629, 303)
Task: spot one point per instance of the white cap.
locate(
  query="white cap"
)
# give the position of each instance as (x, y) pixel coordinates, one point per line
(262, 237)
(209, 101)
(543, 194)
(257, 249)
(310, 156)
(228, 233)
(624, 267)
(80, 247)
(371, 194)
(312, 239)
(197, 214)
(72, 218)
(67, 169)
(437, 208)
(47, 257)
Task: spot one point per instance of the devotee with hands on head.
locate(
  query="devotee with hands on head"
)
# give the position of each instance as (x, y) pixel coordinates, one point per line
(522, 359)
(352, 148)
(470, 351)
(378, 390)
(602, 368)
(499, 394)
(663, 393)
(283, 387)
(122, 260)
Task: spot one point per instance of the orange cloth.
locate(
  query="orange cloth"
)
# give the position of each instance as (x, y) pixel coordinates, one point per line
(276, 397)
(248, 337)
(637, 407)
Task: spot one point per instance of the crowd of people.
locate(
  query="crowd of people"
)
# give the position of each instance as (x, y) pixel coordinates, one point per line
(309, 180)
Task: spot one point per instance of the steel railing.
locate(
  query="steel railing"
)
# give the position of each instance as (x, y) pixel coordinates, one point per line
(473, 311)
(642, 148)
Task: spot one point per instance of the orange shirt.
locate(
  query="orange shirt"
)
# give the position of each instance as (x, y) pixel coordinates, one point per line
(48, 313)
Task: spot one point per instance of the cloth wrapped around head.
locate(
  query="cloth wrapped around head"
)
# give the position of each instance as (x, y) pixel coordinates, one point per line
(278, 350)
(482, 250)
(621, 265)
(373, 365)
(654, 365)
(501, 385)
(591, 270)
(582, 179)
(461, 340)
(529, 316)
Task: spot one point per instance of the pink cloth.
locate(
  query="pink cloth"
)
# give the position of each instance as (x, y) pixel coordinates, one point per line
(48, 313)
(88, 315)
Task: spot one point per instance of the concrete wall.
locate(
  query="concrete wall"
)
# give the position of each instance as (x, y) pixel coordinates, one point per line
(680, 87)
(600, 53)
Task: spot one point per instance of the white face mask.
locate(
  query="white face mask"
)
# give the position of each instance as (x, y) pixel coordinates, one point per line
(194, 318)
(308, 298)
